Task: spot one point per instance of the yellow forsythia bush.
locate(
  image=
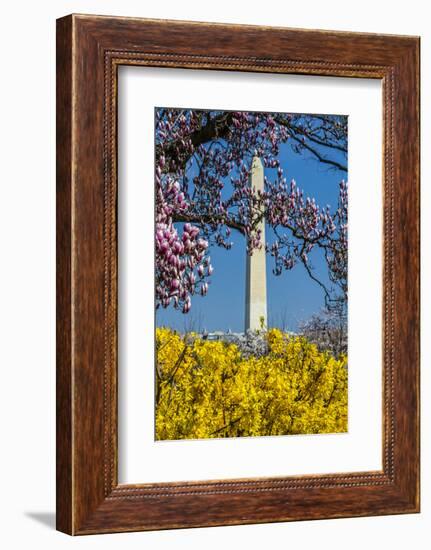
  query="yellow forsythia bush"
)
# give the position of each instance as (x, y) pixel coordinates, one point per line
(208, 389)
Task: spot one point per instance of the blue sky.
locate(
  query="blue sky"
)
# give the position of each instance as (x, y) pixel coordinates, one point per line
(292, 297)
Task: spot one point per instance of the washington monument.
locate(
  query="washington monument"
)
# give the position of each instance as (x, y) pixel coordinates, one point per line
(255, 284)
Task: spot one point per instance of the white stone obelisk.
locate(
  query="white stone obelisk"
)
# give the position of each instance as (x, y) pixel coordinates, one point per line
(255, 285)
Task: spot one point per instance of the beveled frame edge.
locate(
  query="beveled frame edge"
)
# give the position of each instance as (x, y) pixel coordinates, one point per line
(89, 51)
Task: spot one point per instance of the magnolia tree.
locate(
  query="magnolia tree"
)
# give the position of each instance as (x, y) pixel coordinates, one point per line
(203, 164)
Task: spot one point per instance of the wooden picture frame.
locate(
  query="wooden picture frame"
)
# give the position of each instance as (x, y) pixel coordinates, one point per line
(89, 51)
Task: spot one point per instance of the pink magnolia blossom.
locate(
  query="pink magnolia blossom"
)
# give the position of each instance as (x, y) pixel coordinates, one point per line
(195, 209)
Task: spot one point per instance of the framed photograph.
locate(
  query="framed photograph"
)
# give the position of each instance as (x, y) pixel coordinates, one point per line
(237, 274)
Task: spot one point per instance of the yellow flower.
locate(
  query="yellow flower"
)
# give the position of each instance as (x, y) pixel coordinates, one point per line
(207, 389)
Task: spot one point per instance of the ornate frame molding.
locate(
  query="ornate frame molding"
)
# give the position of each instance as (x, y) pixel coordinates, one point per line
(90, 49)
